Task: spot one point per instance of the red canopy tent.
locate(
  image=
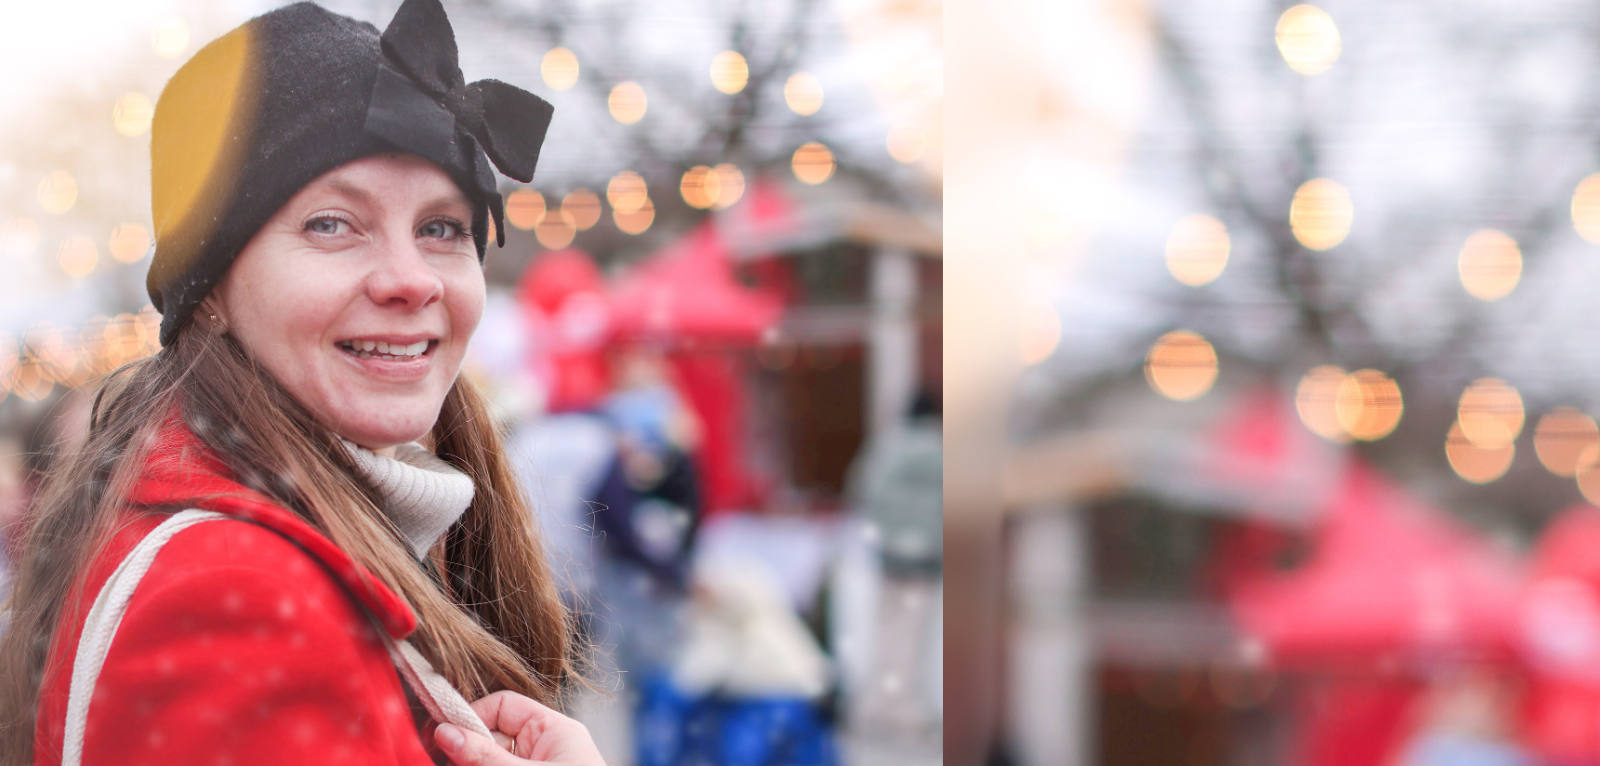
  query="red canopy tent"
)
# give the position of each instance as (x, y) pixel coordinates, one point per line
(1390, 578)
(1560, 638)
(686, 295)
(563, 297)
(1392, 585)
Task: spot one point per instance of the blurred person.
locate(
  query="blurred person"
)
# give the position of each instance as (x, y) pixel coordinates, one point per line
(254, 558)
(744, 688)
(897, 485)
(647, 510)
(1466, 719)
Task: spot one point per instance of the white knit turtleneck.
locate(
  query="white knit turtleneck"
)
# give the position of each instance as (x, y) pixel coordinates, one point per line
(422, 494)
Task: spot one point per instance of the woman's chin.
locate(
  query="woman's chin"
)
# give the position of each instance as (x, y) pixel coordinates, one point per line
(379, 434)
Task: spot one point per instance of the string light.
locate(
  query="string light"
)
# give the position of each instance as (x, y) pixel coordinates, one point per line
(729, 72)
(129, 242)
(559, 68)
(1490, 265)
(1316, 399)
(627, 192)
(78, 256)
(556, 230)
(627, 103)
(1181, 365)
(1197, 250)
(700, 187)
(1368, 405)
(1561, 437)
(57, 192)
(584, 207)
(170, 38)
(1321, 213)
(637, 220)
(1476, 464)
(525, 209)
(132, 114)
(1308, 39)
(1490, 413)
(813, 163)
(803, 93)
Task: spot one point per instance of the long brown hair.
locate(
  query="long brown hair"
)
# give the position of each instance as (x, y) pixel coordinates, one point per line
(491, 619)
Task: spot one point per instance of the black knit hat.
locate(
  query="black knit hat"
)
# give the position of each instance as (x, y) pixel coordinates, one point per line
(289, 95)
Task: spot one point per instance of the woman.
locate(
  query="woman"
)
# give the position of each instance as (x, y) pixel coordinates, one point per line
(322, 200)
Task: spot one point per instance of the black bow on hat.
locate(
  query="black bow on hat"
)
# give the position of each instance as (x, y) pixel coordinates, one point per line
(422, 104)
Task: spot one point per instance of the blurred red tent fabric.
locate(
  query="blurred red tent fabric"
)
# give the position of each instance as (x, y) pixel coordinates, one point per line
(685, 300)
(1559, 625)
(1390, 578)
(686, 295)
(1392, 587)
(563, 296)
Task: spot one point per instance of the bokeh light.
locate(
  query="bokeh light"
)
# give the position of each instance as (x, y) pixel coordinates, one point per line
(803, 93)
(1561, 437)
(1368, 405)
(132, 114)
(700, 187)
(1321, 214)
(730, 185)
(1181, 365)
(1041, 333)
(627, 192)
(170, 38)
(559, 68)
(1316, 399)
(129, 242)
(729, 72)
(19, 237)
(1490, 265)
(627, 103)
(1197, 250)
(77, 256)
(1474, 463)
(584, 207)
(1490, 413)
(634, 221)
(1588, 473)
(525, 209)
(8, 363)
(1308, 39)
(57, 192)
(813, 163)
(556, 230)
(1586, 208)
(906, 143)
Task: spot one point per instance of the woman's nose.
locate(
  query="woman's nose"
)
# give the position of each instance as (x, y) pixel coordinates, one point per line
(402, 278)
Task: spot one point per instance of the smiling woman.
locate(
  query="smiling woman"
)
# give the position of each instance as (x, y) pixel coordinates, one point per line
(296, 520)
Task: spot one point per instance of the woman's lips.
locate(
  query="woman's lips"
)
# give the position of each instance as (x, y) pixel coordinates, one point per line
(402, 367)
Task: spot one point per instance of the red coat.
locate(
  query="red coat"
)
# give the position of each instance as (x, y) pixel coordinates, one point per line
(247, 642)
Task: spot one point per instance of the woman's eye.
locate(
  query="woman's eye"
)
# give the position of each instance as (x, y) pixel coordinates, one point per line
(440, 230)
(326, 226)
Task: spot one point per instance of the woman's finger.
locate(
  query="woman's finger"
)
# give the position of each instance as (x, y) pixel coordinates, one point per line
(511, 713)
(464, 748)
(538, 731)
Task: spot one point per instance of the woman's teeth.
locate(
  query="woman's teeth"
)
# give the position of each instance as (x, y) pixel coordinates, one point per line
(377, 349)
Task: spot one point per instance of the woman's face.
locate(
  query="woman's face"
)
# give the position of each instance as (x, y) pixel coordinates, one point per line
(359, 296)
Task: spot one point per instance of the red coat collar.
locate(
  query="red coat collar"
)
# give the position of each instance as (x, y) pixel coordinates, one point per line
(181, 471)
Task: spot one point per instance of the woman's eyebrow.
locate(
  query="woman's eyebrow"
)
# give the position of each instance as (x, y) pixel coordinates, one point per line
(355, 193)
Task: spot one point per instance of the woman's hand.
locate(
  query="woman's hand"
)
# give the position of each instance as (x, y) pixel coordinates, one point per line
(534, 734)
